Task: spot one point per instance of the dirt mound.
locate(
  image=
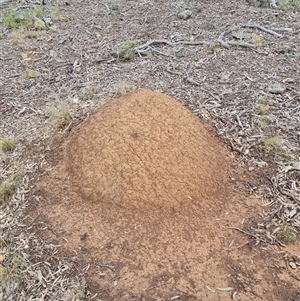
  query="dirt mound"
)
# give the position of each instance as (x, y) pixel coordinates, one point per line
(145, 147)
(137, 196)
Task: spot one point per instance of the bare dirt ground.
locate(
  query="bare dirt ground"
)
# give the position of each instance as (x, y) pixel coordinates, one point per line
(236, 68)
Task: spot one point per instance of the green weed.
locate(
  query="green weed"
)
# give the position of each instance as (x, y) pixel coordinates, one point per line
(273, 144)
(262, 100)
(289, 5)
(13, 19)
(286, 236)
(16, 264)
(3, 242)
(126, 50)
(7, 187)
(38, 12)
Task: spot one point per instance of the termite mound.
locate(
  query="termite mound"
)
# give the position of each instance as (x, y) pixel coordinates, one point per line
(145, 147)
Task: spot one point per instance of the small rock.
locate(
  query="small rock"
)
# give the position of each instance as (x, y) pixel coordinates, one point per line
(180, 53)
(276, 88)
(185, 14)
(53, 53)
(293, 265)
(48, 21)
(241, 35)
(28, 74)
(251, 168)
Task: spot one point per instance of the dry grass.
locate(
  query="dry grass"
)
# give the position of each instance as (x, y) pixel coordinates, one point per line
(271, 145)
(7, 145)
(7, 187)
(61, 119)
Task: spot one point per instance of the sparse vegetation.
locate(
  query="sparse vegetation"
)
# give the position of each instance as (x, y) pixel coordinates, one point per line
(126, 50)
(7, 145)
(118, 6)
(16, 265)
(123, 88)
(16, 19)
(264, 122)
(289, 5)
(286, 236)
(256, 39)
(265, 101)
(261, 110)
(58, 15)
(7, 187)
(273, 144)
(13, 19)
(61, 119)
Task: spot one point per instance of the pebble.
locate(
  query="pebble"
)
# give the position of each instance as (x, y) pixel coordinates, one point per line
(251, 168)
(292, 265)
(185, 14)
(276, 89)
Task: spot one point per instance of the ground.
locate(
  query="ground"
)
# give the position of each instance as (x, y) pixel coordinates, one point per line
(235, 67)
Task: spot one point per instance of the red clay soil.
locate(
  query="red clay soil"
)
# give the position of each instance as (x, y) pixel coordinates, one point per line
(142, 197)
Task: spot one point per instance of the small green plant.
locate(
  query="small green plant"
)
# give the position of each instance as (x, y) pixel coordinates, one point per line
(264, 122)
(38, 12)
(118, 6)
(7, 145)
(262, 100)
(289, 5)
(13, 19)
(62, 119)
(3, 242)
(192, 282)
(16, 264)
(273, 144)
(261, 110)
(57, 15)
(80, 290)
(245, 272)
(7, 187)
(286, 236)
(126, 51)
